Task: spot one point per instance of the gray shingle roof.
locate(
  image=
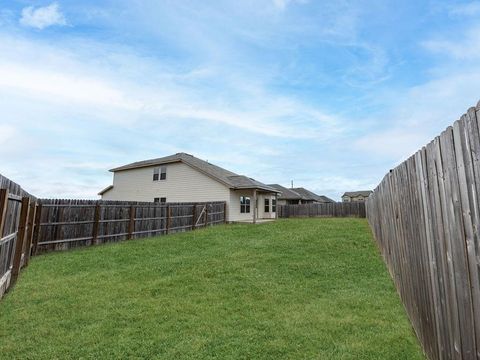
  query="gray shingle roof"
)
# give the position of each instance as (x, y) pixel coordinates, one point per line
(299, 194)
(286, 194)
(358, 193)
(228, 178)
(308, 195)
(326, 199)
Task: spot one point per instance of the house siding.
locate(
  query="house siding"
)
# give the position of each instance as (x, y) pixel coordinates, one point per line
(234, 206)
(234, 213)
(183, 184)
(359, 198)
(261, 206)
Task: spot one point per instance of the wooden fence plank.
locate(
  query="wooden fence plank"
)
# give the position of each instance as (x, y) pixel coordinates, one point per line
(425, 215)
(30, 226)
(354, 209)
(20, 238)
(3, 209)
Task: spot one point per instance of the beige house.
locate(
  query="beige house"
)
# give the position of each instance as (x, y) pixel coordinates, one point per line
(184, 178)
(355, 196)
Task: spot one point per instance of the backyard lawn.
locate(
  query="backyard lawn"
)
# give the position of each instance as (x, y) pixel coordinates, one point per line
(292, 289)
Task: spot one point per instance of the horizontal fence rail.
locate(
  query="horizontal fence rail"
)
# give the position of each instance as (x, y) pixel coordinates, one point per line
(339, 209)
(425, 216)
(66, 224)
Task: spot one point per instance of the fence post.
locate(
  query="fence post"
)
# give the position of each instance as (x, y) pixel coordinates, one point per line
(131, 224)
(96, 219)
(168, 218)
(3, 208)
(31, 221)
(194, 216)
(224, 212)
(254, 206)
(206, 214)
(276, 206)
(36, 229)
(17, 258)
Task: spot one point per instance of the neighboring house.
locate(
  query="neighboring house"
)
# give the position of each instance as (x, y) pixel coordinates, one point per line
(287, 196)
(353, 196)
(298, 196)
(311, 197)
(184, 178)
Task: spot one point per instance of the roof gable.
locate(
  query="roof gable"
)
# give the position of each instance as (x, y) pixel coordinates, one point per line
(226, 177)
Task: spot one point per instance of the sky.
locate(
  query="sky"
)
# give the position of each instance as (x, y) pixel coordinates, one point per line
(327, 94)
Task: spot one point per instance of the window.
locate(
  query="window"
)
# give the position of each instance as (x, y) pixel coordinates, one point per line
(267, 205)
(244, 204)
(274, 205)
(163, 200)
(156, 199)
(160, 173)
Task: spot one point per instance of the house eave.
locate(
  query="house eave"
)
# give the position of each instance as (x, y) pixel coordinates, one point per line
(108, 188)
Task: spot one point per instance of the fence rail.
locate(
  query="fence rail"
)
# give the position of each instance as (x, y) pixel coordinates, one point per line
(425, 216)
(29, 226)
(66, 224)
(339, 209)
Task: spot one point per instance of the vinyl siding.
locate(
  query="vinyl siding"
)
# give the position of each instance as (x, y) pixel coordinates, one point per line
(234, 213)
(261, 206)
(183, 184)
(234, 206)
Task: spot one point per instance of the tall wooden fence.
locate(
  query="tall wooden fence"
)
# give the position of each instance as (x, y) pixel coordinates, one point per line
(66, 224)
(17, 211)
(29, 226)
(339, 209)
(425, 215)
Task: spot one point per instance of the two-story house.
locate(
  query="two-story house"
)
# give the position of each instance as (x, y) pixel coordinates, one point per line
(184, 178)
(354, 196)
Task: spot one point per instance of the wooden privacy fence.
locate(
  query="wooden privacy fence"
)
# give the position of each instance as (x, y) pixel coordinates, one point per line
(339, 209)
(66, 224)
(29, 226)
(17, 211)
(425, 215)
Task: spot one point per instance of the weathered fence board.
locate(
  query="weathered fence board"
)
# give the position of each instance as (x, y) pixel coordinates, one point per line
(14, 229)
(29, 226)
(67, 224)
(425, 216)
(339, 209)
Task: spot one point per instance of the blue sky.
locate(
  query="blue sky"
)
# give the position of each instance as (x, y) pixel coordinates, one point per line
(329, 94)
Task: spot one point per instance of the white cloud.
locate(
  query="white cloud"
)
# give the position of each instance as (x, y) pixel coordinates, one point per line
(98, 114)
(422, 112)
(463, 47)
(61, 77)
(42, 17)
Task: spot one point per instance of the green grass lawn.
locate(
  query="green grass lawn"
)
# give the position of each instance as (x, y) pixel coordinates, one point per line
(293, 289)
